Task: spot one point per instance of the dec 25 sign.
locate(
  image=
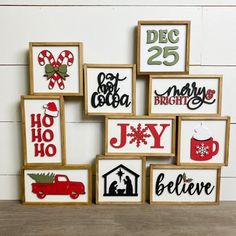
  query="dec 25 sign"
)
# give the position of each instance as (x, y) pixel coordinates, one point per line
(163, 47)
(171, 184)
(140, 135)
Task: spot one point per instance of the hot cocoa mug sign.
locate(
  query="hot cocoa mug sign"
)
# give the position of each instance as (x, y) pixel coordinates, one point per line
(203, 146)
(203, 140)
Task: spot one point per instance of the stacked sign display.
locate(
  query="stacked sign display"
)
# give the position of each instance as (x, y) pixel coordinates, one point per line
(55, 71)
(183, 122)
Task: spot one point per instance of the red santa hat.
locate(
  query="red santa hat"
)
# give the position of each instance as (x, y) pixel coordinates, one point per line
(51, 109)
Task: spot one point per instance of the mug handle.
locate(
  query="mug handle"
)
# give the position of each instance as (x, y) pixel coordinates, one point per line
(216, 148)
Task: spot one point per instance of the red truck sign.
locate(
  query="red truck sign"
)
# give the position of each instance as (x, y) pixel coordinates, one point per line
(59, 185)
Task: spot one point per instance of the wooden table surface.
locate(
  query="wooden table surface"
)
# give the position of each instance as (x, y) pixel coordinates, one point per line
(16, 219)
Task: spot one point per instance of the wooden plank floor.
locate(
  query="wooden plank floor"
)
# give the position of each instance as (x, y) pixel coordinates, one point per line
(16, 219)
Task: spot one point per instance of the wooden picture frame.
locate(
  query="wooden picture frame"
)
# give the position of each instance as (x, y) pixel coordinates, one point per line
(129, 166)
(80, 195)
(164, 95)
(185, 177)
(123, 88)
(148, 64)
(203, 138)
(47, 127)
(152, 131)
(63, 75)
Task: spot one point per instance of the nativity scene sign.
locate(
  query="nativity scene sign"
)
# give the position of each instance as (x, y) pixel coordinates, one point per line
(120, 179)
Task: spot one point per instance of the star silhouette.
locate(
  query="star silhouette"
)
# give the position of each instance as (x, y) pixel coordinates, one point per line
(120, 174)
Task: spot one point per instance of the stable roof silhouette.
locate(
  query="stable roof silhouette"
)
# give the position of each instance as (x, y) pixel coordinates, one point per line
(121, 166)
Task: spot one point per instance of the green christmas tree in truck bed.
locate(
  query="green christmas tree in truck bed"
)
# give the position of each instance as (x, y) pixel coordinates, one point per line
(43, 177)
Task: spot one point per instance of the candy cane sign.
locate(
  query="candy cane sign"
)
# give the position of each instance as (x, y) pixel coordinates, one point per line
(56, 71)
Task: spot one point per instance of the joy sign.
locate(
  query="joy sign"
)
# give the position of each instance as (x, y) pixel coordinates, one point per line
(163, 46)
(43, 129)
(146, 136)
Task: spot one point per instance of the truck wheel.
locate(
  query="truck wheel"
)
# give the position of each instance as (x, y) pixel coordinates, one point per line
(41, 195)
(74, 195)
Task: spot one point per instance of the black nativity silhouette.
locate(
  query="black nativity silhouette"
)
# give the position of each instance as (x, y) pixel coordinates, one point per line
(124, 182)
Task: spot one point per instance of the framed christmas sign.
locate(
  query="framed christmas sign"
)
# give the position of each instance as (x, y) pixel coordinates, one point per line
(185, 95)
(140, 135)
(170, 184)
(71, 184)
(43, 130)
(110, 89)
(203, 141)
(56, 68)
(163, 47)
(120, 180)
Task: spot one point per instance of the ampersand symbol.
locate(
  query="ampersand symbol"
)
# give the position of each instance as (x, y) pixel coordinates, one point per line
(210, 93)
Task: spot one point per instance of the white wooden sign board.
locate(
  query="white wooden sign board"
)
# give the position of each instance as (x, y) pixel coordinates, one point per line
(140, 135)
(110, 89)
(187, 185)
(56, 68)
(185, 95)
(42, 130)
(163, 47)
(120, 180)
(59, 185)
(203, 140)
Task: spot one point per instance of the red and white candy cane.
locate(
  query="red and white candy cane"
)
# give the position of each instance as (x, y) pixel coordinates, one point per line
(65, 54)
(46, 54)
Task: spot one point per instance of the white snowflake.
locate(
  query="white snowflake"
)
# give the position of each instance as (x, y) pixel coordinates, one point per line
(202, 150)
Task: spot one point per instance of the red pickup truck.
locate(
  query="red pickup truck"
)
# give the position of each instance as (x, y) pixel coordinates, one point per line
(61, 186)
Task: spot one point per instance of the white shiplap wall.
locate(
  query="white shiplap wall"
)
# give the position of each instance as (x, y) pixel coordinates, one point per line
(107, 29)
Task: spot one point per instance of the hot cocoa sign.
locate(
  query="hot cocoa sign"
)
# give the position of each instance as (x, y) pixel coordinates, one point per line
(142, 135)
(42, 129)
(109, 89)
(185, 94)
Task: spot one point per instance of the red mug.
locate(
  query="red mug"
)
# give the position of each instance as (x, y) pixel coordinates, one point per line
(202, 150)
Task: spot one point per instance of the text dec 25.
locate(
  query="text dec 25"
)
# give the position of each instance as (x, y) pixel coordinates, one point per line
(160, 53)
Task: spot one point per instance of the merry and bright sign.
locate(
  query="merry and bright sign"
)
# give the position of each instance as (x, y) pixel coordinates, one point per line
(182, 95)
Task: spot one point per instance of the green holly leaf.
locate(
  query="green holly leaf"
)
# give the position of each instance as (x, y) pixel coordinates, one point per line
(184, 177)
(189, 180)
